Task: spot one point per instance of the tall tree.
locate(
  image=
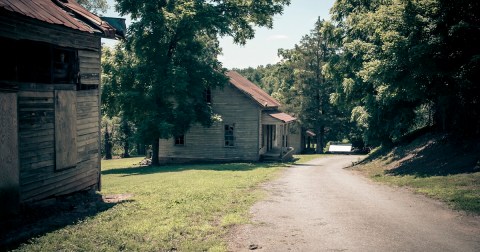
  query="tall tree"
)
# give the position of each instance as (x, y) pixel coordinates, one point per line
(452, 77)
(402, 58)
(171, 58)
(308, 62)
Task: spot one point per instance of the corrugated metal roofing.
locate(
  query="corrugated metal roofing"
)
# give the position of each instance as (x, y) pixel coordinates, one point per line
(61, 12)
(252, 90)
(283, 117)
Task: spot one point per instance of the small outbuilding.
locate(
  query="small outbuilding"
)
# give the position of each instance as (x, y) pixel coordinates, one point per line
(49, 99)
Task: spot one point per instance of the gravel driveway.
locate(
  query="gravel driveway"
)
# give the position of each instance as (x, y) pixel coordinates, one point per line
(323, 207)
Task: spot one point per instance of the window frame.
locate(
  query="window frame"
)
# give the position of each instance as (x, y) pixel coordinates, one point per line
(181, 140)
(230, 129)
(207, 95)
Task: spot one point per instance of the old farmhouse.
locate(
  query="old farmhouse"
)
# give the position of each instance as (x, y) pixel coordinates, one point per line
(49, 99)
(251, 129)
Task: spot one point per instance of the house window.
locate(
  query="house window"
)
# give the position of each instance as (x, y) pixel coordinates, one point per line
(180, 140)
(229, 135)
(207, 94)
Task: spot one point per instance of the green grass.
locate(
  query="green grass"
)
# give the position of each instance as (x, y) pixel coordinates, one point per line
(302, 159)
(460, 191)
(181, 207)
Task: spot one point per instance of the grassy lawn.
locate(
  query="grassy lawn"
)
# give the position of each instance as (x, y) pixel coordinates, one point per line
(181, 207)
(461, 191)
(302, 159)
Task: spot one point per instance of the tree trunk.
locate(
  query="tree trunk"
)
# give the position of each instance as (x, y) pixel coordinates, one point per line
(108, 146)
(127, 131)
(141, 149)
(126, 149)
(320, 140)
(155, 152)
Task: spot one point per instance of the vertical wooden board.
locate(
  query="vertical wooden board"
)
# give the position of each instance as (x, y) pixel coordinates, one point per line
(9, 162)
(65, 129)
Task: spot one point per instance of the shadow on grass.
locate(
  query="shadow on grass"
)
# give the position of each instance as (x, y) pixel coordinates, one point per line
(144, 170)
(39, 219)
(437, 158)
(431, 155)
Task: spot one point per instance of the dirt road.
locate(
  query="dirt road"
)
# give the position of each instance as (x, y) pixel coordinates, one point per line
(323, 207)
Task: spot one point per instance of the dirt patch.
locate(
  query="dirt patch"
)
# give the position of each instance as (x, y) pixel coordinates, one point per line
(36, 219)
(116, 198)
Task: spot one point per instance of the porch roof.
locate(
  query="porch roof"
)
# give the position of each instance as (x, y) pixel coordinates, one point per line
(286, 118)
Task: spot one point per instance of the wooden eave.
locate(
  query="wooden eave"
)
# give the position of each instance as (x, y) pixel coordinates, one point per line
(67, 13)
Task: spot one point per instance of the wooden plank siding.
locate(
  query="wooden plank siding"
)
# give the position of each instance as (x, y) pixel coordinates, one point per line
(39, 177)
(203, 143)
(9, 160)
(295, 138)
(52, 128)
(90, 68)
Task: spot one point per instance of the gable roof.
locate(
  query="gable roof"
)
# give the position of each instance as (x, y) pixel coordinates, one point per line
(67, 13)
(252, 90)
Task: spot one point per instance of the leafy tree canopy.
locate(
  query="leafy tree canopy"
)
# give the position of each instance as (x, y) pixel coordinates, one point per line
(94, 6)
(407, 60)
(169, 59)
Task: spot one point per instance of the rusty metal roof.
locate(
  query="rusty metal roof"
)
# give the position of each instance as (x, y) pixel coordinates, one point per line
(67, 13)
(260, 96)
(283, 117)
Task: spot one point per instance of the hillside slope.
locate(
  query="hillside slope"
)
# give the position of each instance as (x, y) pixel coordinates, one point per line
(439, 166)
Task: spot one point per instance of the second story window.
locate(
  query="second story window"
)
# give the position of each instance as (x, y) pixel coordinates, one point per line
(207, 94)
(229, 135)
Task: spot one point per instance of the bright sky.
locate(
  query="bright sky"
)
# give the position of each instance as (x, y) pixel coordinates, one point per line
(297, 20)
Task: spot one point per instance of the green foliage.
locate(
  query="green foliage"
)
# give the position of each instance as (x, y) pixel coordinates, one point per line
(309, 70)
(396, 66)
(94, 5)
(403, 61)
(122, 140)
(170, 58)
(123, 132)
(306, 82)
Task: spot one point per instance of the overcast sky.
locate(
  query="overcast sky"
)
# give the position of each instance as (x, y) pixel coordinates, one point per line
(297, 20)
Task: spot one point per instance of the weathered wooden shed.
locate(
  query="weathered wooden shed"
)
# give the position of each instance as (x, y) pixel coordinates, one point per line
(49, 99)
(252, 128)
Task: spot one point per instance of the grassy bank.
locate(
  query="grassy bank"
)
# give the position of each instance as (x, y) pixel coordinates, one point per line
(436, 166)
(168, 208)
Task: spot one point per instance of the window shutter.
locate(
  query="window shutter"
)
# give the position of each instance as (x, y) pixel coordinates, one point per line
(65, 129)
